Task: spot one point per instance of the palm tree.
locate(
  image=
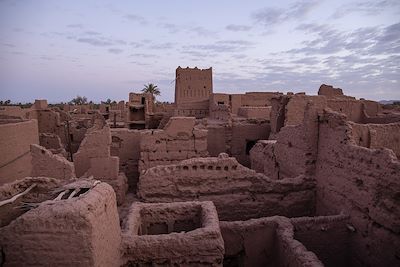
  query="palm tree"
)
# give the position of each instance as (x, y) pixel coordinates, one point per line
(152, 89)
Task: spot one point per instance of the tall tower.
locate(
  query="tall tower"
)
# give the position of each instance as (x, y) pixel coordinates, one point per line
(192, 85)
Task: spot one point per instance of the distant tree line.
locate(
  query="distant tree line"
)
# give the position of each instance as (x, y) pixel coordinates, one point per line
(82, 100)
(20, 104)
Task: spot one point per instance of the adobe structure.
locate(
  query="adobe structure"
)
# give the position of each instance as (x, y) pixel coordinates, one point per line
(253, 179)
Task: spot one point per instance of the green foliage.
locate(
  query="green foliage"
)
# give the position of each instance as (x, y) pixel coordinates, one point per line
(5, 103)
(78, 100)
(152, 89)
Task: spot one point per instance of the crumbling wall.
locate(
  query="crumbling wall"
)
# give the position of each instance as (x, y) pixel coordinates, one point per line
(294, 152)
(172, 234)
(264, 242)
(15, 141)
(94, 159)
(327, 236)
(243, 136)
(53, 143)
(363, 183)
(48, 120)
(263, 159)
(14, 111)
(353, 109)
(372, 108)
(236, 137)
(329, 91)
(41, 191)
(295, 109)
(377, 136)
(250, 243)
(179, 140)
(77, 131)
(126, 145)
(46, 164)
(81, 231)
(255, 112)
(238, 192)
(96, 144)
(220, 112)
(257, 99)
(278, 113)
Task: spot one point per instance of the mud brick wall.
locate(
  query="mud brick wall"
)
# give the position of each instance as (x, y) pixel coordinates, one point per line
(264, 242)
(15, 141)
(178, 141)
(363, 183)
(238, 192)
(82, 231)
(377, 136)
(46, 164)
(327, 236)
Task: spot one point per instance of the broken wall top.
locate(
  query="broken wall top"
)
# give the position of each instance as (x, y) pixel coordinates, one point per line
(178, 126)
(330, 91)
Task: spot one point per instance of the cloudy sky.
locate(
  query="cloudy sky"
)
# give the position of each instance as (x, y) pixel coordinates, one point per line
(105, 49)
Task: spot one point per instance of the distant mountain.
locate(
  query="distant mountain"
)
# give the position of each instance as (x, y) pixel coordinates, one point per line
(388, 102)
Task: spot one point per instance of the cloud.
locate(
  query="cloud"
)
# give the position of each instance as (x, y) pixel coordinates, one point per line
(195, 54)
(143, 55)
(8, 45)
(136, 44)
(46, 58)
(388, 42)
(237, 28)
(221, 46)
(136, 18)
(139, 63)
(167, 45)
(115, 50)
(301, 9)
(239, 56)
(91, 33)
(368, 8)
(365, 41)
(306, 61)
(271, 16)
(363, 61)
(202, 31)
(171, 28)
(95, 41)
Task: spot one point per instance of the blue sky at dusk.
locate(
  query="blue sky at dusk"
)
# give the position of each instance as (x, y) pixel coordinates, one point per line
(56, 50)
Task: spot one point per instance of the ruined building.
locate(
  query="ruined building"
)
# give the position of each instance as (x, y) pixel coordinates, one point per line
(253, 179)
(193, 88)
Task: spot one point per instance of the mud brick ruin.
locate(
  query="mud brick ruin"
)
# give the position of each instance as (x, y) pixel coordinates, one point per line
(254, 179)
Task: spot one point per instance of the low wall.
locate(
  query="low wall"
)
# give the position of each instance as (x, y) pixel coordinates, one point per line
(172, 234)
(264, 242)
(81, 231)
(238, 192)
(377, 136)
